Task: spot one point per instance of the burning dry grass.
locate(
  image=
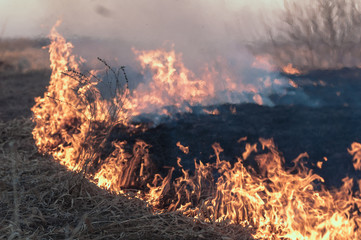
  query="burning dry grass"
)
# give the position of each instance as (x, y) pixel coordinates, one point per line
(275, 201)
(40, 199)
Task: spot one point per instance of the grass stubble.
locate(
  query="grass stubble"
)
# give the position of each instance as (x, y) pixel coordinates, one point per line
(40, 199)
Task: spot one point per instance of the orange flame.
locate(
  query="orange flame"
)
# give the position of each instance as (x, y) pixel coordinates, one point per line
(212, 112)
(183, 148)
(277, 203)
(172, 83)
(289, 69)
(356, 152)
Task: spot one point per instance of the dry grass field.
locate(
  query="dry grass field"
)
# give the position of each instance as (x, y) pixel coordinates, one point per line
(40, 199)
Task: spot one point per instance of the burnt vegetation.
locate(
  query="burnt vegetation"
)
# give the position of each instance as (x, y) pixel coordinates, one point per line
(41, 199)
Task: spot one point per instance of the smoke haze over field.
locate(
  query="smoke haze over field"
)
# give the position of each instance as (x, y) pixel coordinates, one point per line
(201, 30)
(206, 33)
(139, 20)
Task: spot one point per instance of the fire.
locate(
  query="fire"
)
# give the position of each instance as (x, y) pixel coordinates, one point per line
(293, 84)
(258, 99)
(289, 69)
(212, 112)
(183, 148)
(172, 83)
(356, 152)
(73, 122)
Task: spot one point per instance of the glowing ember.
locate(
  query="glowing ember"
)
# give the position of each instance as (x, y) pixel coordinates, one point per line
(211, 112)
(233, 110)
(73, 121)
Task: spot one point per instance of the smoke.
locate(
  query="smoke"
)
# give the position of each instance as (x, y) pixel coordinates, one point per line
(211, 34)
(201, 30)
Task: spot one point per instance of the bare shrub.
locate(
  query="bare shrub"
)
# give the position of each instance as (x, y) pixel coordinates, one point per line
(315, 34)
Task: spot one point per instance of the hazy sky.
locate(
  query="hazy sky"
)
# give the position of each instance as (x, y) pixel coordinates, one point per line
(107, 18)
(200, 29)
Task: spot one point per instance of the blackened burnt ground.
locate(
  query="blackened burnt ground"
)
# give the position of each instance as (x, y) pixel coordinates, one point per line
(325, 131)
(18, 90)
(321, 132)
